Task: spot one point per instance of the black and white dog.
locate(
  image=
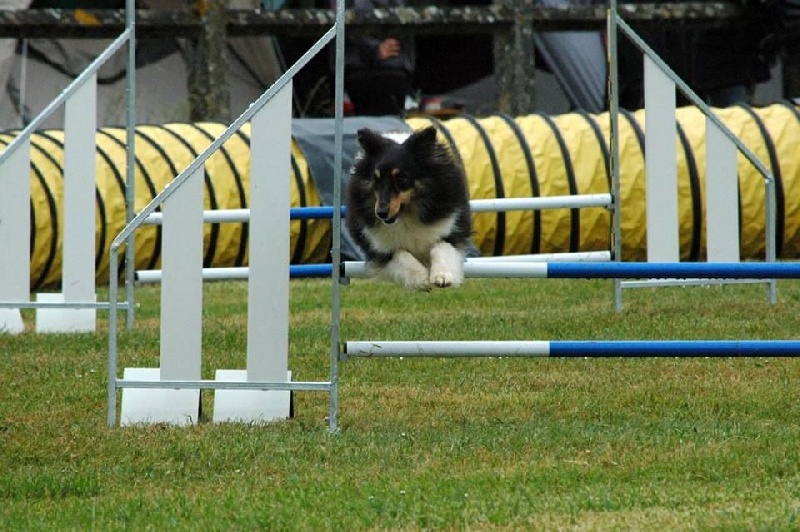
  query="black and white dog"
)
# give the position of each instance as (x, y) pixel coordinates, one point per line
(408, 210)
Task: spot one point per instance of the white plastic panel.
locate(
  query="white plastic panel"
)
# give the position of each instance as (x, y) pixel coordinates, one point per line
(722, 197)
(663, 241)
(15, 229)
(182, 281)
(146, 405)
(268, 288)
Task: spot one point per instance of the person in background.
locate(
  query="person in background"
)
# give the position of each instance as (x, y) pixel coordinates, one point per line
(722, 65)
(378, 70)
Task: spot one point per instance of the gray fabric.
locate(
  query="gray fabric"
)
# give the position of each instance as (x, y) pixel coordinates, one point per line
(315, 136)
(577, 58)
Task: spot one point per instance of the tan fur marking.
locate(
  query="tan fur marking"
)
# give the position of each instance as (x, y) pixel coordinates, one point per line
(399, 200)
(394, 172)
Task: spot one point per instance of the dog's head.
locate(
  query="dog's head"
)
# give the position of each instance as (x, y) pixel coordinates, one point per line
(392, 169)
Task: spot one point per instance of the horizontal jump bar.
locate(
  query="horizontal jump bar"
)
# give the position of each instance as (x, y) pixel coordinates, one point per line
(649, 283)
(618, 270)
(100, 305)
(297, 271)
(578, 256)
(218, 216)
(507, 268)
(223, 385)
(479, 205)
(577, 348)
(540, 203)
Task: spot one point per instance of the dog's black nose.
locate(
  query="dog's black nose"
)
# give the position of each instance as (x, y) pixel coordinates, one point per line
(383, 216)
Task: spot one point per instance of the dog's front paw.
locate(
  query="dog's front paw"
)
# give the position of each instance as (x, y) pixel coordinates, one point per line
(417, 278)
(447, 266)
(407, 272)
(444, 278)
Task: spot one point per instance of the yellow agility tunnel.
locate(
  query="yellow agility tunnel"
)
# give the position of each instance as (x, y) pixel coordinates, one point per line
(532, 155)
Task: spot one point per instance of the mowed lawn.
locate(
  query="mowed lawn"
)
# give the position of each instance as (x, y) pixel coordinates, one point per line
(453, 444)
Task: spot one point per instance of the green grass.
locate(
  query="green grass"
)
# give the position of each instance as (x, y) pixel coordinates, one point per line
(491, 443)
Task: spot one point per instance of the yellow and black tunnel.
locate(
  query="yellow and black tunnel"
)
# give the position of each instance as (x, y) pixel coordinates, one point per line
(503, 157)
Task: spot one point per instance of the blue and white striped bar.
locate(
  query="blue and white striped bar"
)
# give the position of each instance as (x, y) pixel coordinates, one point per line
(527, 267)
(219, 216)
(577, 348)
(478, 205)
(240, 273)
(617, 270)
(303, 271)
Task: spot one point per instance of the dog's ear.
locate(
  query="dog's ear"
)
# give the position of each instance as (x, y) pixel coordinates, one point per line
(422, 141)
(371, 141)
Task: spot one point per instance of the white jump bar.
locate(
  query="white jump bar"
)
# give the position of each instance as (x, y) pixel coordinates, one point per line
(243, 272)
(448, 349)
(478, 205)
(214, 216)
(649, 283)
(539, 203)
(473, 269)
(209, 274)
(579, 256)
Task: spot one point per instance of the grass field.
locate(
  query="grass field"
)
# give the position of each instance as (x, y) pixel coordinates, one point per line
(491, 443)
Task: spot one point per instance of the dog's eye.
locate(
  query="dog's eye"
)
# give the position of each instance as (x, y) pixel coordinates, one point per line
(401, 180)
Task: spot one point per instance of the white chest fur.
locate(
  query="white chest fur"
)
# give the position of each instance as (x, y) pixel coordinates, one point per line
(411, 235)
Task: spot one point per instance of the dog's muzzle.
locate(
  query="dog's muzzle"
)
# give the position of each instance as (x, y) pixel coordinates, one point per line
(384, 216)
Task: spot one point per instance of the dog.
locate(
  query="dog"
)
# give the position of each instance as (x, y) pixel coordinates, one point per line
(408, 210)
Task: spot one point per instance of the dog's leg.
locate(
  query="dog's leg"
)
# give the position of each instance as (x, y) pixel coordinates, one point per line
(406, 271)
(447, 265)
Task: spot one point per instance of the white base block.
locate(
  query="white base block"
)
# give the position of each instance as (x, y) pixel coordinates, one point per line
(11, 321)
(57, 320)
(249, 405)
(145, 405)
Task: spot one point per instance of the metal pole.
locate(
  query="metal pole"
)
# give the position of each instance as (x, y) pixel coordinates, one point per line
(336, 252)
(23, 82)
(769, 228)
(130, 266)
(613, 93)
(112, 339)
(130, 167)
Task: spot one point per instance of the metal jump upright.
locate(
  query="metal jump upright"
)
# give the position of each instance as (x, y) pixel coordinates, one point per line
(722, 208)
(725, 268)
(75, 308)
(262, 391)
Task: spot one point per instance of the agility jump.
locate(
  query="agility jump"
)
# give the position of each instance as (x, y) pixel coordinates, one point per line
(176, 322)
(723, 143)
(74, 309)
